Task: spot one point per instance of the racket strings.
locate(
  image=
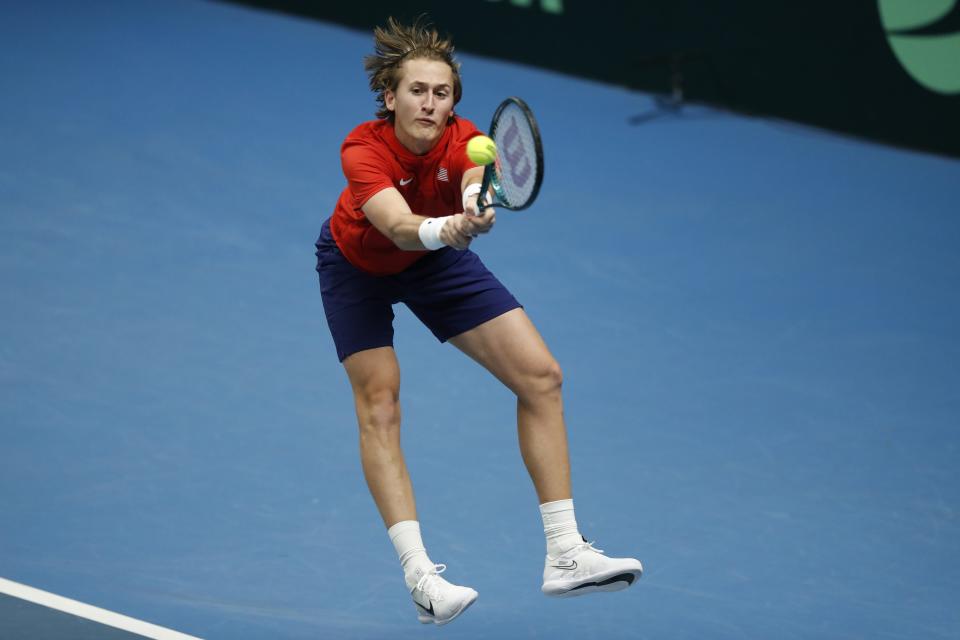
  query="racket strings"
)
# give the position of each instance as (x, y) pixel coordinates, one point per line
(515, 173)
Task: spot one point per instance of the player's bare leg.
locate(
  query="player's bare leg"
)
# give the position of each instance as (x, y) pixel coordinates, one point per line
(511, 348)
(375, 377)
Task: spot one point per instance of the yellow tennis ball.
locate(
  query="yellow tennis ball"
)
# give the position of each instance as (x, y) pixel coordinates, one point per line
(482, 150)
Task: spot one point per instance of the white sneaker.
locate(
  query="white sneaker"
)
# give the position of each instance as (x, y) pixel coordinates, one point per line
(437, 600)
(584, 569)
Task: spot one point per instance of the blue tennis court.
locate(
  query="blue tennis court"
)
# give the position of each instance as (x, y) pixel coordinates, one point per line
(757, 322)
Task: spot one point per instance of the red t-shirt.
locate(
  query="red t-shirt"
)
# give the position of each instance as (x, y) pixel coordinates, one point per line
(373, 159)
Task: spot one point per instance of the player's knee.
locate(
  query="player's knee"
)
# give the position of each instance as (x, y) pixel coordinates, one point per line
(379, 410)
(544, 380)
(553, 376)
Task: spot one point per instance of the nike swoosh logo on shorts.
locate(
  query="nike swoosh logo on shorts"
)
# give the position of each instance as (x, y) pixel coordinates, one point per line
(404, 183)
(565, 564)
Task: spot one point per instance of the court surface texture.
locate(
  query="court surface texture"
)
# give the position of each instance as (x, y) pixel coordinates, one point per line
(757, 323)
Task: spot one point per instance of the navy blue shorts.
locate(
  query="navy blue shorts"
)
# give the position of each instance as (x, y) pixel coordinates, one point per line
(450, 292)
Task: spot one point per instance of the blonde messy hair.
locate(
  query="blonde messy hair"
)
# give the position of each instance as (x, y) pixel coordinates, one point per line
(398, 43)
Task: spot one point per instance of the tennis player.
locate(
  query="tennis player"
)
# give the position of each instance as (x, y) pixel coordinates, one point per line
(401, 232)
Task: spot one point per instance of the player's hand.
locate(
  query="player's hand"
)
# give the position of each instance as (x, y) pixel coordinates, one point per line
(457, 232)
(481, 222)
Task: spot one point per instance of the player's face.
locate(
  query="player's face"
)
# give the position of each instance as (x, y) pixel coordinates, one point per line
(422, 103)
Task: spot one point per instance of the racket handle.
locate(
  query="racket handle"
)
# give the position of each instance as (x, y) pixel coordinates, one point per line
(484, 187)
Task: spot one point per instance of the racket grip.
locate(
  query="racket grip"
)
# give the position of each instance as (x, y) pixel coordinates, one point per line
(484, 187)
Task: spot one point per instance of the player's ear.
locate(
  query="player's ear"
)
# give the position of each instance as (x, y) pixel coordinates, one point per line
(389, 100)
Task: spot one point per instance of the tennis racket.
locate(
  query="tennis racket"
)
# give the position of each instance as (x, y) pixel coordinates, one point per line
(516, 174)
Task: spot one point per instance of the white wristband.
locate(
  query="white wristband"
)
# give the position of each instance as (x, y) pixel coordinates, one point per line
(471, 190)
(430, 232)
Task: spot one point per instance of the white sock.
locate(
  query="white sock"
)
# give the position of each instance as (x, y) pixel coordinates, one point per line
(560, 527)
(406, 539)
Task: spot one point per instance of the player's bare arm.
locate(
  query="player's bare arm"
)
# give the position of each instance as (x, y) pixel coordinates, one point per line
(391, 215)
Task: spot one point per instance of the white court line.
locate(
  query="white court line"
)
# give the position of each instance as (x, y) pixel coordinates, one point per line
(90, 612)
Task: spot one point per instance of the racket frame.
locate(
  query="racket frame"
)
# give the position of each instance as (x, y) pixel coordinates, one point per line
(489, 170)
